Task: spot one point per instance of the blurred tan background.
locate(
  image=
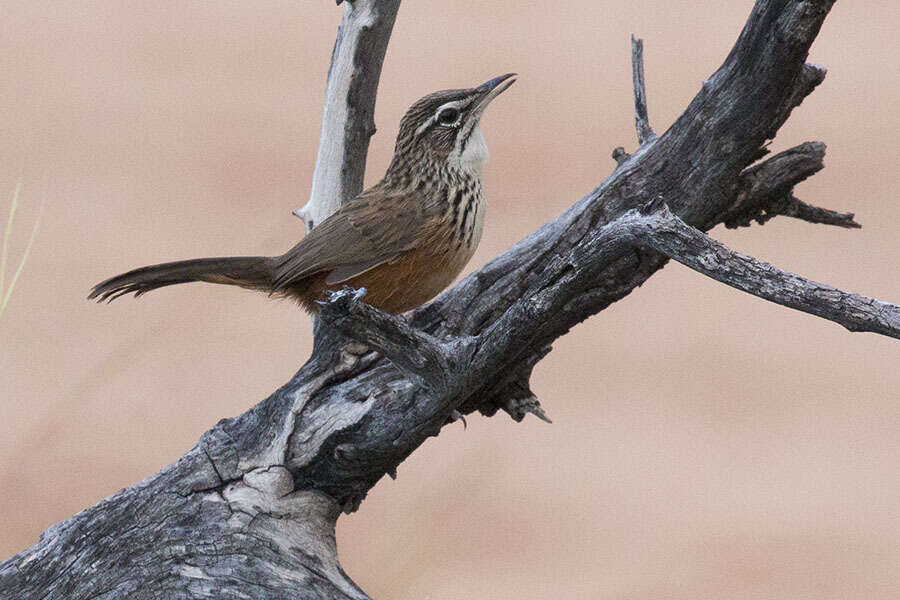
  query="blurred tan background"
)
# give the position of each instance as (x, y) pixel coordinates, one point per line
(705, 444)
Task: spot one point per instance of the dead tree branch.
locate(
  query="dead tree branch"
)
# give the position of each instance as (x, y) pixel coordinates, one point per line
(433, 364)
(642, 121)
(250, 511)
(669, 235)
(348, 121)
(765, 190)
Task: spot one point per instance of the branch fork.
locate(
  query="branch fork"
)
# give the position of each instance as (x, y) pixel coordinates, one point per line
(448, 367)
(444, 367)
(250, 511)
(437, 365)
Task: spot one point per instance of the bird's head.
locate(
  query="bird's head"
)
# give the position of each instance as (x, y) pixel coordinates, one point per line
(442, 129)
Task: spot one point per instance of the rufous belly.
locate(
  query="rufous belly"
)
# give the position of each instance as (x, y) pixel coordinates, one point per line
(397, 287)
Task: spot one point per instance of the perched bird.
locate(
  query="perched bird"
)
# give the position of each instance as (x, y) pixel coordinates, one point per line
(404, 239)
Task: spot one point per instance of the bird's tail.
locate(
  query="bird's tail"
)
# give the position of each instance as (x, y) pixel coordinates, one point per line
(252, 272)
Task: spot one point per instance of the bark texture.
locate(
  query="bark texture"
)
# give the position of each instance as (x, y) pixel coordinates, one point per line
(348, 120)
(250, 511)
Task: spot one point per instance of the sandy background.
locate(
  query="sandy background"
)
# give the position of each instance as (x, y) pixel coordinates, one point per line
(705, 444)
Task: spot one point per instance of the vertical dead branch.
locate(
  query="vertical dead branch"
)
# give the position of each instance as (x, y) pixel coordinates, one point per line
(641, 120)
(348, 120)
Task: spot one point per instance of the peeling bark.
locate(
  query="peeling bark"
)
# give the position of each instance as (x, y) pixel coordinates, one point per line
(250, 511)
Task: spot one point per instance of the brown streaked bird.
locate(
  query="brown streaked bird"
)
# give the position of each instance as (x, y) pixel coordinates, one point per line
(404, 239)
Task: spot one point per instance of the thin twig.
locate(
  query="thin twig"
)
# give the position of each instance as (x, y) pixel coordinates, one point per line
(642, 121)
(798, 209)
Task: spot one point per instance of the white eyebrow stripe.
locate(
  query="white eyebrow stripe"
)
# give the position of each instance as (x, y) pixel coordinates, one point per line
(457, 104)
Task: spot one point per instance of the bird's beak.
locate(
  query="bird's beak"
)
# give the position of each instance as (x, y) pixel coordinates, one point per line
(490, 90)
(484, 94)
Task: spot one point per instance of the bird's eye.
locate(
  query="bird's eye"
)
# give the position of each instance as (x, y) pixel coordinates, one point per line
(448, 116)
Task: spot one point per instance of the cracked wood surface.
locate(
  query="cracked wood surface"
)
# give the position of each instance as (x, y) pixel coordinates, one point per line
(250, 511)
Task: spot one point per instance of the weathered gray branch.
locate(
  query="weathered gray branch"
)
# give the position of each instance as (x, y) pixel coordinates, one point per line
(669, 235)
(436, 365)
(641, 119)
(250, 511)
(348, 121)
(765, 190)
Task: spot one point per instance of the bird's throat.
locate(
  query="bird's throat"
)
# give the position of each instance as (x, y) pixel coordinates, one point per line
(472, 154)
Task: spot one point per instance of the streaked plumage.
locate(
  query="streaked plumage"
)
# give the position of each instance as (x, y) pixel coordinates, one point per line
(404, 239)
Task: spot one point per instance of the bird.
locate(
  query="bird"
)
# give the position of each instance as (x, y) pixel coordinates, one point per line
(404, 239)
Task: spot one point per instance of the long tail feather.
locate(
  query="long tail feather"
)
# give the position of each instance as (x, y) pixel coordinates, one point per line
(253, 272)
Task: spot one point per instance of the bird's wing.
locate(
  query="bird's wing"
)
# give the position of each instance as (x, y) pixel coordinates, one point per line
(372, 229)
